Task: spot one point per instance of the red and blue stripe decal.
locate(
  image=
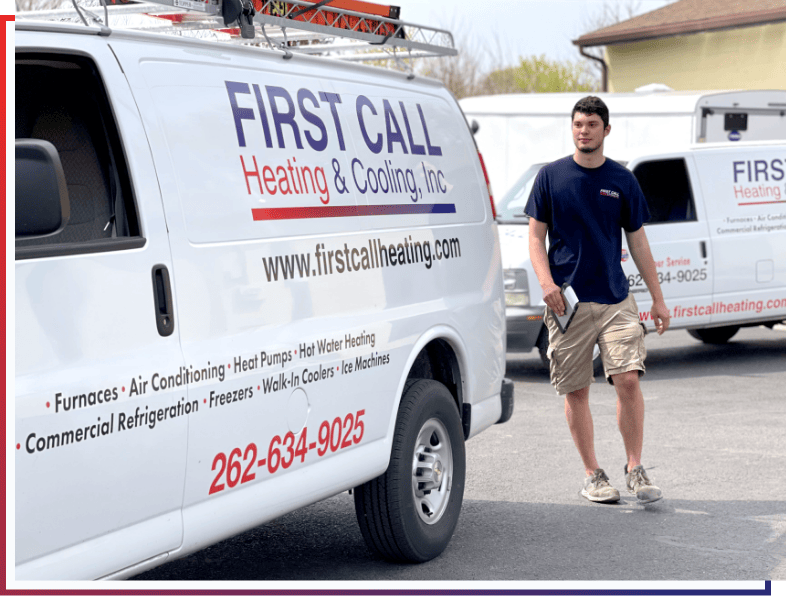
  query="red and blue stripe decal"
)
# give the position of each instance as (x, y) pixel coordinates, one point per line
(280, 213)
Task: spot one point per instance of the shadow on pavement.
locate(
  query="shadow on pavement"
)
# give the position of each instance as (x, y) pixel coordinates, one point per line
(739, 357)
(668, 540)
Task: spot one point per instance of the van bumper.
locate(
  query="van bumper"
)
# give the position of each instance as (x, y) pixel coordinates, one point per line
(506, 397)
(523, 325)
(495, 409)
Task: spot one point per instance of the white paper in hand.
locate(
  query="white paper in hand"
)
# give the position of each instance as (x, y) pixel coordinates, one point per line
(571, 304)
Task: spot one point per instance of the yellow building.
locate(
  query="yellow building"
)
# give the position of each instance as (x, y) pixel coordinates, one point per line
(697, 44)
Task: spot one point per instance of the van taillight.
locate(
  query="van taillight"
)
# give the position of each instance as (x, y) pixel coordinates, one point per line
(488, 185)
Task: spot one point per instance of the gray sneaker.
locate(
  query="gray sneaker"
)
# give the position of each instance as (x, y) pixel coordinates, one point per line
(640, 485)
(597, 488)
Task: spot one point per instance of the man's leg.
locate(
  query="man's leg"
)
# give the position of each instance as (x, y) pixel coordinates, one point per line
(630, 418)
(579, 418)
(596, 484)
(630, 414)
(570, 354)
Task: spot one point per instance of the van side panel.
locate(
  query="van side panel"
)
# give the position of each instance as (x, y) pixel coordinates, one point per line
(300, 154)
(746, 203)
(310, 296)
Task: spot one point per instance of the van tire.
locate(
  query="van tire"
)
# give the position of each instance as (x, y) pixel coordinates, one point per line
(392, 509)
(714, 335)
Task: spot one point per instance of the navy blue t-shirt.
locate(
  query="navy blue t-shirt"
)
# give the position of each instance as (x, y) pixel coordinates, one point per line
(585, 210)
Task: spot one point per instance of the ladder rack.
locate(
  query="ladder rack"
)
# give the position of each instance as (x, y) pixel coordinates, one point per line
(294, 26)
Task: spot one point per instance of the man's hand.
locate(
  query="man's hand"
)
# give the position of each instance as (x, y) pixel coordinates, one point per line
(660, 316)
(552, 296)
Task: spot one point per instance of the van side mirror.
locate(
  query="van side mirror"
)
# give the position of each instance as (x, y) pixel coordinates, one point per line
(474, 126)
(42, 206)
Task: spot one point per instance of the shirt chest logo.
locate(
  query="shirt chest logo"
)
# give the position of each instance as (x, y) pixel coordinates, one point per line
(609, 193)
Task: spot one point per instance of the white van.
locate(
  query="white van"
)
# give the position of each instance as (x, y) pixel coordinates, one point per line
(718, 237)
(519, 129)
(245, 282)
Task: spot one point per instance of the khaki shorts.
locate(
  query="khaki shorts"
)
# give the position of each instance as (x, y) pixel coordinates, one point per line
(614, 327)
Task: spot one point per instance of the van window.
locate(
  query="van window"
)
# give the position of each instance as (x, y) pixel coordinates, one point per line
(666, 187)
(511, 208)
(61, 99)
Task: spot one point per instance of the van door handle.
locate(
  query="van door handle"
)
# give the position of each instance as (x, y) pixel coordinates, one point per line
(162, 296)
(703, 246)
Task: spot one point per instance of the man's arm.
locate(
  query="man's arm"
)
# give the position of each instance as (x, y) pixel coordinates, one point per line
(642, 256)
(552, 294)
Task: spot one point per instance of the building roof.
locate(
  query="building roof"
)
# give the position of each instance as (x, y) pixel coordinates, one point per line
(688, 16)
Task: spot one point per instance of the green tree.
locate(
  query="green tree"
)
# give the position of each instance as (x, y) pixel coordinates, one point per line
(538, 74)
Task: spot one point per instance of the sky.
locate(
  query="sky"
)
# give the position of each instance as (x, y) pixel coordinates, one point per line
(514, 28)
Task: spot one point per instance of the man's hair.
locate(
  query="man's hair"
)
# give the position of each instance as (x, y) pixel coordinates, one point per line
(591, 105)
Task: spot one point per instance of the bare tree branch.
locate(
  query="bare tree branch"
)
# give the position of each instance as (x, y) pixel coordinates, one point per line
(609, 14)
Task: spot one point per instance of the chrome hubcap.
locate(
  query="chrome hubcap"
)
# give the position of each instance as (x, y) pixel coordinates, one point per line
(432, 471)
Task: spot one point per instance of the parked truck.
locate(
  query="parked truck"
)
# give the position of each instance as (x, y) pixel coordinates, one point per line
(517, 130)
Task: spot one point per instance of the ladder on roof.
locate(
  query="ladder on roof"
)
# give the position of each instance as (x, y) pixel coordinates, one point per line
(367, 31)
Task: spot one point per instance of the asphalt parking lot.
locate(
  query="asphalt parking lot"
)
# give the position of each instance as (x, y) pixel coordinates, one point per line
(715, 442)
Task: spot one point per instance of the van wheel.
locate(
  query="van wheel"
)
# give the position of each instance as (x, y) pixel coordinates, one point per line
(597, 361)
(410, 512)
(715, 335)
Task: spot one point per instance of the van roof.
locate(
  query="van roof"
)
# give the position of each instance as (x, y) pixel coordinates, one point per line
(154, 37)
(680, 148)
(620, 104)
(353, 30)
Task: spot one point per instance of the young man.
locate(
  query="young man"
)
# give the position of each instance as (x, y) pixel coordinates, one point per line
(583, 202)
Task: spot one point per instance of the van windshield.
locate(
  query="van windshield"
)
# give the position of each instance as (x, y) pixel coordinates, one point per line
(510, 209)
